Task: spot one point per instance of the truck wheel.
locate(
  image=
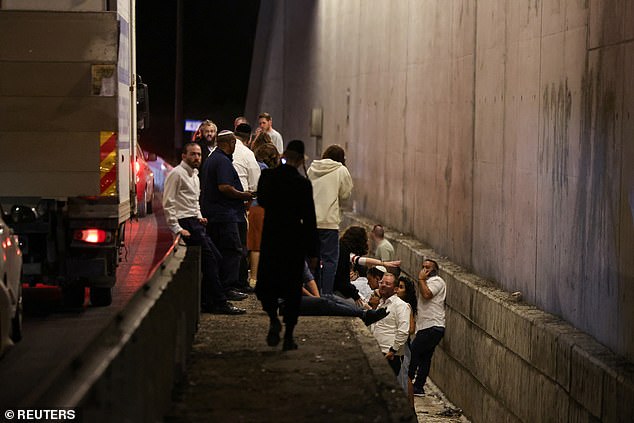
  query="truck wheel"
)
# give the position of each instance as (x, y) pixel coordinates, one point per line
(16, 322)
(142, 206)
(100, 297)
(74, 296)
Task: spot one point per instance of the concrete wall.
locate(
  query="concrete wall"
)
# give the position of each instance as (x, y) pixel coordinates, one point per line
(507, 361)
(498, 132)
(128, 371)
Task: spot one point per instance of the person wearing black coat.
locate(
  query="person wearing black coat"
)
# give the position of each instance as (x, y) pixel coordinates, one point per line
(289, 236)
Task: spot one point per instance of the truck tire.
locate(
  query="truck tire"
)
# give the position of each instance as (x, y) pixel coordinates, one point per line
(100, 297)
(16, 322)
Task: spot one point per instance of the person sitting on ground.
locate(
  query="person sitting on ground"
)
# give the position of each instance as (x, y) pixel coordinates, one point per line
(360, 282)
(352, 247)
(392, 332)
(314, 305)
(374, 275)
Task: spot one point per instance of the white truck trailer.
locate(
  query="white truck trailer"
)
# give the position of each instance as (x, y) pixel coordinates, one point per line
(68, 133)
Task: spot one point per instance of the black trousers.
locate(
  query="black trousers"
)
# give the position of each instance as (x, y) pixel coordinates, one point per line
(395, 364)
(422, 349)
(225, 236)
(291, 298)
(243, 274)
(211, 292)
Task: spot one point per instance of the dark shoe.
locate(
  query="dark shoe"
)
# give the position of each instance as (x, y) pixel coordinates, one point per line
(289, 344)
(373, 316)
(227, 308)
(246, 289)
(273, 337)
(419, 392)
(235, 295)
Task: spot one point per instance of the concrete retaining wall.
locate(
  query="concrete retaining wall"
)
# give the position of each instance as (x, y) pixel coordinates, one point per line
(497, 131)
(507, 361)
(129, 370)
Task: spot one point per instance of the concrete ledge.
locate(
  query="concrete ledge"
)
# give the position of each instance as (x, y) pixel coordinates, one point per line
(506, 361)
(128, 371)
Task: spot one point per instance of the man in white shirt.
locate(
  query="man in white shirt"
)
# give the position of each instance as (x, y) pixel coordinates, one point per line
(182, 211)
(430, 323)
(392, 331)
(249, 173)
(265, 122)
(244, 160)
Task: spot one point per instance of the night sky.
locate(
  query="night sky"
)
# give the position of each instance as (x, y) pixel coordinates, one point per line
(217, 48)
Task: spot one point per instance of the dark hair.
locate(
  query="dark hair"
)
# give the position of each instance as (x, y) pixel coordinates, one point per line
(264, 115)
(268, 154)
(396, 271)
(410, 292)
(355, 240)
(261, 139)
(373, 271)
(361, 270)
(336, 153)
(187, 145)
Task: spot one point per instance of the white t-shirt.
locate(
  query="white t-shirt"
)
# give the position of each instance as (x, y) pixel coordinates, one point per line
(247, 167)
(362, 286)
(432, 312)
(277, 140)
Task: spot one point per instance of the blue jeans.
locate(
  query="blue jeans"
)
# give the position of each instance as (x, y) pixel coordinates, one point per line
(329, 255)
(328, 306)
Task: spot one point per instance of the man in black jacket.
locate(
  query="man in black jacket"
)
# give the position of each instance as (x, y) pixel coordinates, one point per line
(289, 236)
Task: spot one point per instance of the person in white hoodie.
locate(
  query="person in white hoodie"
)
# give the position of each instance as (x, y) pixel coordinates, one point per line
(332, 184)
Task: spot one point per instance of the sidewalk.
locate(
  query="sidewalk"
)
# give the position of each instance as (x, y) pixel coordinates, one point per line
(336, 375)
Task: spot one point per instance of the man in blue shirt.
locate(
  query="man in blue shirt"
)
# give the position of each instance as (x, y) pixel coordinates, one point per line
(223, 205)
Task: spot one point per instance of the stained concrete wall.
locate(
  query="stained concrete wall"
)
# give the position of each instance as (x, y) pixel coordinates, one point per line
(499, 132)
(507, 361)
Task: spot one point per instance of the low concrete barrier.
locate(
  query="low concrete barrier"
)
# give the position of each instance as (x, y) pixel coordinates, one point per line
(127, 372)
(501, 360)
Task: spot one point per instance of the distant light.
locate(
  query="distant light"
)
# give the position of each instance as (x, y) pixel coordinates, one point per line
(192, 125)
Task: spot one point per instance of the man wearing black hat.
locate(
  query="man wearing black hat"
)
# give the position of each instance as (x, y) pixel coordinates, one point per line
(223, 203)
(289, 236)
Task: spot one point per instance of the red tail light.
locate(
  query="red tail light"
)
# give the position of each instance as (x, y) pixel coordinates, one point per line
(92, 236)
(137, 167)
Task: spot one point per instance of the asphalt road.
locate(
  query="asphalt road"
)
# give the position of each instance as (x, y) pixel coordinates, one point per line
(54, 336)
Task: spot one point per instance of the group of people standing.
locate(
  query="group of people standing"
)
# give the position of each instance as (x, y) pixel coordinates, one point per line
(238, 191)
